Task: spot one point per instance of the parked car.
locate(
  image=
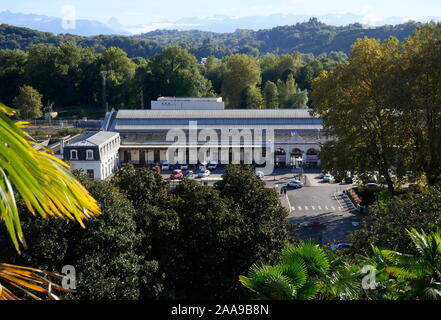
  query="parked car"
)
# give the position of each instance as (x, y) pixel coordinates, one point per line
(188, 174)
(372, 185)
(174, 166)
(260, 174)
(322, 174)
(183, 166)
(204, 173)
(311, 224)
(340, 246)
(203, 165)
(177, 174)
(328, 177)
(296, 184)
(348, 180)
(212, 165)
(165, 166)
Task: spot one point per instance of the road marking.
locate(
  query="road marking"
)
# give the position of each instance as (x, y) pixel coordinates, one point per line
(319, 207)
(300, 208)
(326, 208)
(289, 203)
(293, 208)
(306, 208)
(333, 208)
(312, 207)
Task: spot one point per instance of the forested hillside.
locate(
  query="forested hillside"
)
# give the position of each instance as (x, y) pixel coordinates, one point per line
(309, 37)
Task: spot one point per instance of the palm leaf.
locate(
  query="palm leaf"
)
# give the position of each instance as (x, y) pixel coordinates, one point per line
(42, 180)
(31, 282)
(47, 188)
(268, 283)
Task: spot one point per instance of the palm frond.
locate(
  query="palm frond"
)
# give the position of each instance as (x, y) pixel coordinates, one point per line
(42, 180)
(31, 282)
(314, 257)
(268, 283)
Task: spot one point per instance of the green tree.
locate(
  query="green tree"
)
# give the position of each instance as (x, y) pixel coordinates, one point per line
(205, 265)
(107, 256)
(28, 102)
(352, 101)
(415, 93)
(155, 217)
(175, 72)
(12, 68)
(121, 71)
(241, 72)
(214, 72)
(271, 95)
(388, 221)
(251, 98)
(290, 96)
(263, 216)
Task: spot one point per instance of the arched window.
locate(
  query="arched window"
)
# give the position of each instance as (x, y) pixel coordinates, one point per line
(74, 154)
(89, 155)
(312, 152)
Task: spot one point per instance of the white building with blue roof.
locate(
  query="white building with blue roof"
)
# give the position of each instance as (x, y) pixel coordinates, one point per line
(95, 152)
(297, 134)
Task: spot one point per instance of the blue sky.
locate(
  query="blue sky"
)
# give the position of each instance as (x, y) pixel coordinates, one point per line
(147, 11)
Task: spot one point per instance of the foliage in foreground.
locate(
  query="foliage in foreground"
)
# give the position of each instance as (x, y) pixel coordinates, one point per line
(308, 272)
(46, 187)
(406, 276)
(305, 273)
(386, 224)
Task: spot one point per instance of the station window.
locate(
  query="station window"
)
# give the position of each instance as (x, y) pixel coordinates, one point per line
(74, 154)
(89, 155)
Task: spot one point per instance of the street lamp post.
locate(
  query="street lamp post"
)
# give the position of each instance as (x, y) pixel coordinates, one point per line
(103, 75)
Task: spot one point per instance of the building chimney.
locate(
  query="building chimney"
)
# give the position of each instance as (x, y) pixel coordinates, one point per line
(62, 146)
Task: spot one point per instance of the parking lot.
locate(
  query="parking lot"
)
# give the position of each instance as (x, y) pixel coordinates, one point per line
(321, 205)
(321, 210)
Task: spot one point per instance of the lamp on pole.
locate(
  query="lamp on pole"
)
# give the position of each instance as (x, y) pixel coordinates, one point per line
(103, 75)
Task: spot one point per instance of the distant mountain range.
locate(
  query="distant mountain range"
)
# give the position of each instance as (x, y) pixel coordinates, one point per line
(308, 37)
(217, 23)
(54, 25)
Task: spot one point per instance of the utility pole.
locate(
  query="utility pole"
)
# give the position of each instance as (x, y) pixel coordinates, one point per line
(103, 75)
(142, 99)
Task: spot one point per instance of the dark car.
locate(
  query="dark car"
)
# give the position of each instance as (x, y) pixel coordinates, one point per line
(188, 174)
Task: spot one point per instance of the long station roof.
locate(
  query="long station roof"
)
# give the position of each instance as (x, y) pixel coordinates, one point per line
(159, 120)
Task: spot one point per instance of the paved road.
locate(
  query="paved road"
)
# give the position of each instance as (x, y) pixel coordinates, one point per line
(322, 202)
(317, 201)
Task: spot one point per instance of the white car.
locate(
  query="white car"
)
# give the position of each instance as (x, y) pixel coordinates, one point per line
(204, 173)
(165, 166)
(295, 184)
(212, 165)
(328, 178)
(260, 174)
(203, 166)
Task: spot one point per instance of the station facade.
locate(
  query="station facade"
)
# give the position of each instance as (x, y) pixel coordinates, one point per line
(145, 134)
